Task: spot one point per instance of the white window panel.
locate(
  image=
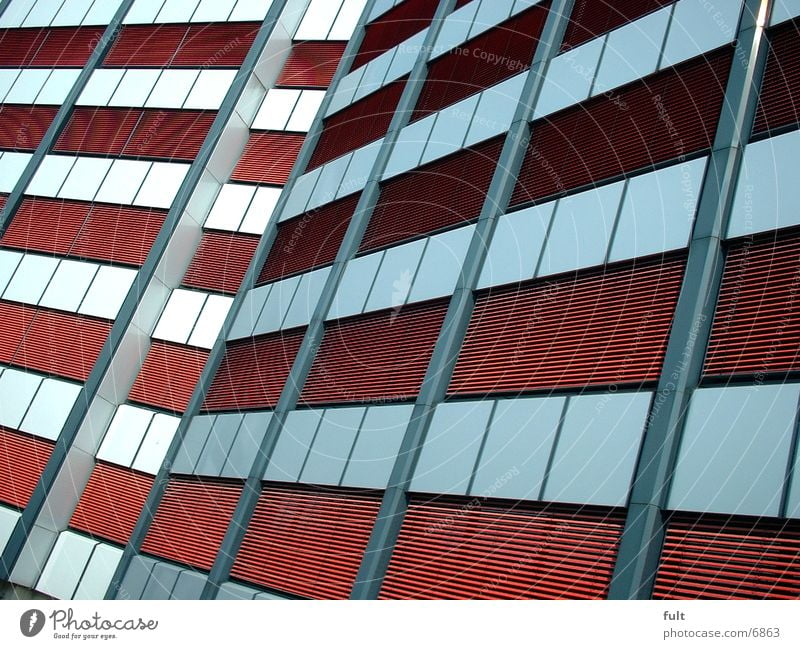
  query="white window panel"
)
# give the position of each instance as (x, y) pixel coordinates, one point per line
(345, 90)
(107, 292)
(516, 246)
(735, 449)
(100, 87)
(355, 285)
(15, 13)
(490, 14)
(396, 274)
(123, 181)
(72, 12)
(156, 442)
(347, 20)
(9, 260)
(12, 165)
(260, 210)
(209, 11)
(125, 434)
(161, 184)
(450, 129)
(85, 178)
(781, 11)
(16, 393)
(27, 86)
(305, 110)
(441, 264)
(69, 284)
(697, 27)
(179, 316)
(409, 146)
(57, 86)
(276, 109)
(134, 88)
(210, 321)
(276, 306)
(98, 574)
(31, 279)
(172, 88)
(375, 73)
(495, 111)
(102, 12)
(210, 89)
(250, 10)
(41, 14)
(65, 565)
(306, 298)
(7, 79)
(318, 20)
(455, 28)
(143, 11)
(569, 78)
(230, 206)
(50, 408)
(50, 175)
(176, 11)
(8, 520)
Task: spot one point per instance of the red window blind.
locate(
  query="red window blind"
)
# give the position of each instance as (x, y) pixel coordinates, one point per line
(392, 28)
(191, 520)
(53, 47)
(360, 123)
(46, 225)
(23, 127)
(592, 18)
(606, 326)
(168, 376)
(757, 322)
(150, 133)
(311, 64)
(378, 356)
(253, 371)
(307, 542)
(268, 158)
(729, 557)
(670, 114)
(442, 194)
(450, 549)
(22, 460)
(52, 342)
(484, 61)
(111, 503)
(221, 261)
(309, 241)
(207, 45)
(778, 104)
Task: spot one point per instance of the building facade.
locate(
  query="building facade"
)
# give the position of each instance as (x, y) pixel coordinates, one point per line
(417, 299)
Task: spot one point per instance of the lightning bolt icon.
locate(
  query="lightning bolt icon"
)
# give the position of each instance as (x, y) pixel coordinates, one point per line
(32, 621)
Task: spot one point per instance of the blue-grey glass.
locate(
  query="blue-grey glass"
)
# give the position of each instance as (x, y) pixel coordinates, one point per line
(376, 447)
(406, 56)
(223, 433)
(17, 390)
(793, 495)
(65, 565)
(360, 169)
(450, 129)
(332, 446)
(229, 590)
(345, 90)
(294, 443)
(329, 181)
(276, 306)
(194, 441)
(410, 144)
(490, 13)
(395, 276)
(596, 452)
(518, 447)
(441, 264)
(136, 577)
(451, 447)
(248, 314)
(299, 194)
(735, 449)
(495, 111)
(306, 298)
(162, 581)
(569, 78)
(783, 10)
(189, 586)
(375, 73)
(455, 28)
(697, 28)
(355, 285)
(246, 447)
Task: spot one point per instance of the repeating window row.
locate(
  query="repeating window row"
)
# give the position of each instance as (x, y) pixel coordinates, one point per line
(243, 208)
(192, 318)
(78, 568)
(287, 109)
(64, 284)
(36, 85)
(329, 20)
(57, 47)
(125, 182)
(138, 438)
(149, 579)
(195, 11)
(195, 89)
(35, 404)
(46, 13)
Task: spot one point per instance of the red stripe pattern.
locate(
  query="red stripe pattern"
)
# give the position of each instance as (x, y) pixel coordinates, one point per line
(221, 261)
(376, 357)
(307, 542)
(191, 520)
(253, 372)
(51, 47)
(592, 18)
(268, 158)
(670, 114)
(607, 326)
(22, 460)
(778, 105)
(721, 557)
(23, 127)
(454, 549)
(168, 376)
(442, 194)
(311, 64)
(757, 323)
(111, 503)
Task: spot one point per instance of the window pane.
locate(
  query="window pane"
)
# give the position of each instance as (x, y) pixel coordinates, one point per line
(27, 86)
(230, 206)
(697, 28)
(50, 408)
(211, 320)
(172, 88)
(85, 178)
(376, 448)
(192, 444)
(69, 285)
(247, 445)
(161, 184)
(260, 210)
(108, 290)
(306, 298)
(123, 181)
(294, 443)
(277, 305)
(17, 390)
(101, 86)
(354, 286)
(124, 435)
(210, 89)
(179, 316)
(155, 444)
(408, 149)
(219, 442)
(305, 110)
(32, 276)
(57, 87)
(276, 109)
(450, 129)
(569, 78)
(134, 88)
(332, 445)
(396, 274)
(441, 264)
(50, 175)
(9, 261)
(65, 565)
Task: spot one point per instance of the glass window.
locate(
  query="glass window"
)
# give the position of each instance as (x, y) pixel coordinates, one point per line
(332, 445)
(658, 211)
(102, 12)
(581, 230)
(176, 11)
(172, 88)
(11, 167)
(406, 56)
(189, 585)
(596, 452)
(347, 20)
(632, 51)
(108, 290)
(379, 8)
(725, 425)
(276, 109)
(393, 282)
(455, 28)
(247, 445)
(57, 86)
(31, 279)
(161, 184)
(179, 316)
(192, 444)
(211, 320)
(17, 390)
(375, 73)
(69, 285)
(248, 313)
(156, 442)
(15, 13)
(8, 520)
(330, 180)
(306, 298)
(569, 78)
(219, 443)
(377, 446)
(408, 149)
(345, 90)
(360, 169)
(9, 260)
(210, 89)
(318, 20)
(97, 576)
(85, 178)
(441, 264)
(7, 79)
(699, 27)
(100, 87)
(793, 495)
(299, 194)
(276, 306)
(49, 176)
(123, 181)
(517, 449)
(124, 435)
(305, 110)
(260, 211)
(450, 129)
(134, 88)
(784, 10)
(354, 287)
(65, 565)
(231, 591)
(293, 445)
(451, 447)
(250, 10)
(213, 10)
(143, 11)
(230, 206)
(495, 110)
(50, 408)
(41, 14)
(490, 13)
(161, 582)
